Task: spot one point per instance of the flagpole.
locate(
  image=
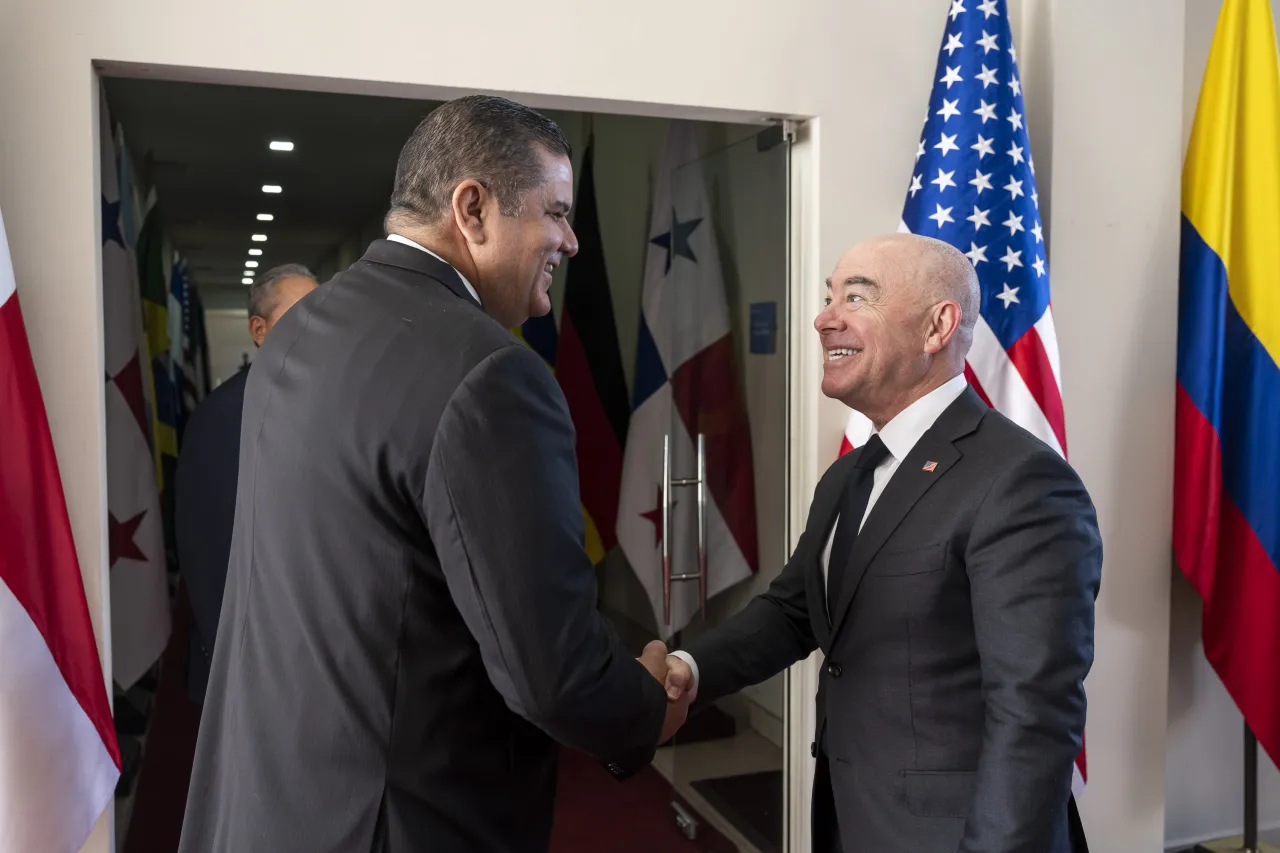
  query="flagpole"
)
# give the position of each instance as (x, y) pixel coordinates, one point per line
(1250, 790)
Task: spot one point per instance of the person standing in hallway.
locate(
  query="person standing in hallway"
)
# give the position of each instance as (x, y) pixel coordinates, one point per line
(205, 486)
(413, 611)
(948, 572)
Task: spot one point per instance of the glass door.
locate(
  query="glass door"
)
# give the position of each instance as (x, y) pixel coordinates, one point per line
(726, 465)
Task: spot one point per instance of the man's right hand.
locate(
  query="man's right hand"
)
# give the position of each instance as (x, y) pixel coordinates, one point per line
(658, 662)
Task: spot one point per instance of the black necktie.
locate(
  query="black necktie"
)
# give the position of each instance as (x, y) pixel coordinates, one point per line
(854, 503)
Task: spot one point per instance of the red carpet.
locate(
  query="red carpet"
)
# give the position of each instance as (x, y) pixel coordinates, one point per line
(155, 825)
(596, 813)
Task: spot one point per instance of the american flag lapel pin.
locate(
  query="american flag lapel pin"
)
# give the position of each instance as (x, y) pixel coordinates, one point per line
(930, 466)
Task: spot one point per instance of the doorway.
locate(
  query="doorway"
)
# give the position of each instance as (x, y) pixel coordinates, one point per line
(202, 154)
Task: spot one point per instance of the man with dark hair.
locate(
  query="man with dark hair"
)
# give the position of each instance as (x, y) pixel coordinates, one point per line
(414, 612)
(205, 488)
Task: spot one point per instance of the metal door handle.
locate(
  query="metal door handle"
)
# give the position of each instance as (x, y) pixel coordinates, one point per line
(668, 485)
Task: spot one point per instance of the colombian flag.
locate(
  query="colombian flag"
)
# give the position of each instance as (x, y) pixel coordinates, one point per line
(1227, 472)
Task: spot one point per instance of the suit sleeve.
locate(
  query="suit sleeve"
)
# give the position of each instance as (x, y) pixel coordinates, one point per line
(773, 631)
(501, 504)
(1034, 562)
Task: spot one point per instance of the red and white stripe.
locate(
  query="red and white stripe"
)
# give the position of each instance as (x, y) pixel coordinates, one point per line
(59, 760)
(1024, 383)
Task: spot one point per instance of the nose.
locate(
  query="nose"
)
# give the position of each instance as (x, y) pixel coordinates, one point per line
(828, 320)
(569, 243)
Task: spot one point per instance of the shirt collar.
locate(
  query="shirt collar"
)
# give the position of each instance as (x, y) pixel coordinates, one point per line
(901, 434)
(396, 238)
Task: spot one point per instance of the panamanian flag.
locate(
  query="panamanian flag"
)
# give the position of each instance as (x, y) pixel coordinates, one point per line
(686, 384)
(974, 186)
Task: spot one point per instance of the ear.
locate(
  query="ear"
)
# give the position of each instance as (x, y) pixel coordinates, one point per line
(258, 329)
(471, 207)
(944, 322)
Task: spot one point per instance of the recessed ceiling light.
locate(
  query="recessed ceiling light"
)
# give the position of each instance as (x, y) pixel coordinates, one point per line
(281, 145)
(246, 280)
(259, 238)
(255, 252)
(270, 188)
(252, 265)
(265, 217)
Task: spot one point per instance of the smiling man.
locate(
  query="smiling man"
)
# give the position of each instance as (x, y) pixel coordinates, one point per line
(410, 618)
(948, 573)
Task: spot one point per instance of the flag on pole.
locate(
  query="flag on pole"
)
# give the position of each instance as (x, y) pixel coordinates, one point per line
(589, 369)
(135, 535)
(1226, 531)
(59, 760)
(686, 385)
(974, 186)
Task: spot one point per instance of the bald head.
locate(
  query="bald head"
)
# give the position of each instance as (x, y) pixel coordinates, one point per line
(932, 271)
(898, 323)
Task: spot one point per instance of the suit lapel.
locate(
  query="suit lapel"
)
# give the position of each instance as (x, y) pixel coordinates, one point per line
(936, 452)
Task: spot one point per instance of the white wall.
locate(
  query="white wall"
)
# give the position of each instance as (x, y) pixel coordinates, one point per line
(1204, 771)
(229, 342)
(863, 69)
(1117, 120)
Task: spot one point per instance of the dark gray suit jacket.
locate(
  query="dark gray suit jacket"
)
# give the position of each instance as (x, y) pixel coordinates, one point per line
(204, 512)
(410, 618)
(951, 705)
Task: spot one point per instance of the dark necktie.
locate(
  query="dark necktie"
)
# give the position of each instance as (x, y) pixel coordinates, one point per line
(854, 503)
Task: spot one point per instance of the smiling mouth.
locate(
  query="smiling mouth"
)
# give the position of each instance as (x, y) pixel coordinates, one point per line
(837, 353)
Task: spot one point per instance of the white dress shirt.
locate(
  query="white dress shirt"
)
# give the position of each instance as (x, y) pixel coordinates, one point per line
(396, 238)
(899, 436)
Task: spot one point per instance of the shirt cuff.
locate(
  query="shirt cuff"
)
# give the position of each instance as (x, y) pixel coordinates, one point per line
(693, 665)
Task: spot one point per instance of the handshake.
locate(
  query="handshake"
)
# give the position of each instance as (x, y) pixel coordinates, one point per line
(676, 678)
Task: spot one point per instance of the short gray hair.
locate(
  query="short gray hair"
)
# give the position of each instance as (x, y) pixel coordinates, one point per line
(262, 293)
(490, 140)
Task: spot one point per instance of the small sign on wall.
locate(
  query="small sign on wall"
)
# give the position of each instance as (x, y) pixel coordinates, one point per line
(764, 328)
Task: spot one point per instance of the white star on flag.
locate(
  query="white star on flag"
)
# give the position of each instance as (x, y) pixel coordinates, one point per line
(986, 111)
(944, 180)
(1012, 259)
(1009, 294)
(983, 147)
(1039, 266)
(1013, 53)
(1015, 86)
(916, 186)
(981, 181)
(988, 76)
(1016, 153)
(979, 218)
(988, 42)
(942, 217)
(953, 44)
(920, 153)
(988, 8)
(1015, 119)
(976, 253)
(1039, 232)
(1013, 223)
(952, 76)
(1014, 188)
(947, 144)
(1035, 198)
(957, 9)
(949, 109)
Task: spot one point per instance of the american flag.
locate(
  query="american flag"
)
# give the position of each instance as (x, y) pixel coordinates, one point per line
(974, 186)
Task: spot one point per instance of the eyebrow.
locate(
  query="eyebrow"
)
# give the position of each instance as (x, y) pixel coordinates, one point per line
(858, 280)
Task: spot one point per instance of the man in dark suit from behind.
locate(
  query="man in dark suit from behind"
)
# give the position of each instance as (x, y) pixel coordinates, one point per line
(205, 488)
(410, 621)
(948, 573)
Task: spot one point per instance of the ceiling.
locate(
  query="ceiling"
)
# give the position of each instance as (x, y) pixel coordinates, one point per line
(209, 158)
